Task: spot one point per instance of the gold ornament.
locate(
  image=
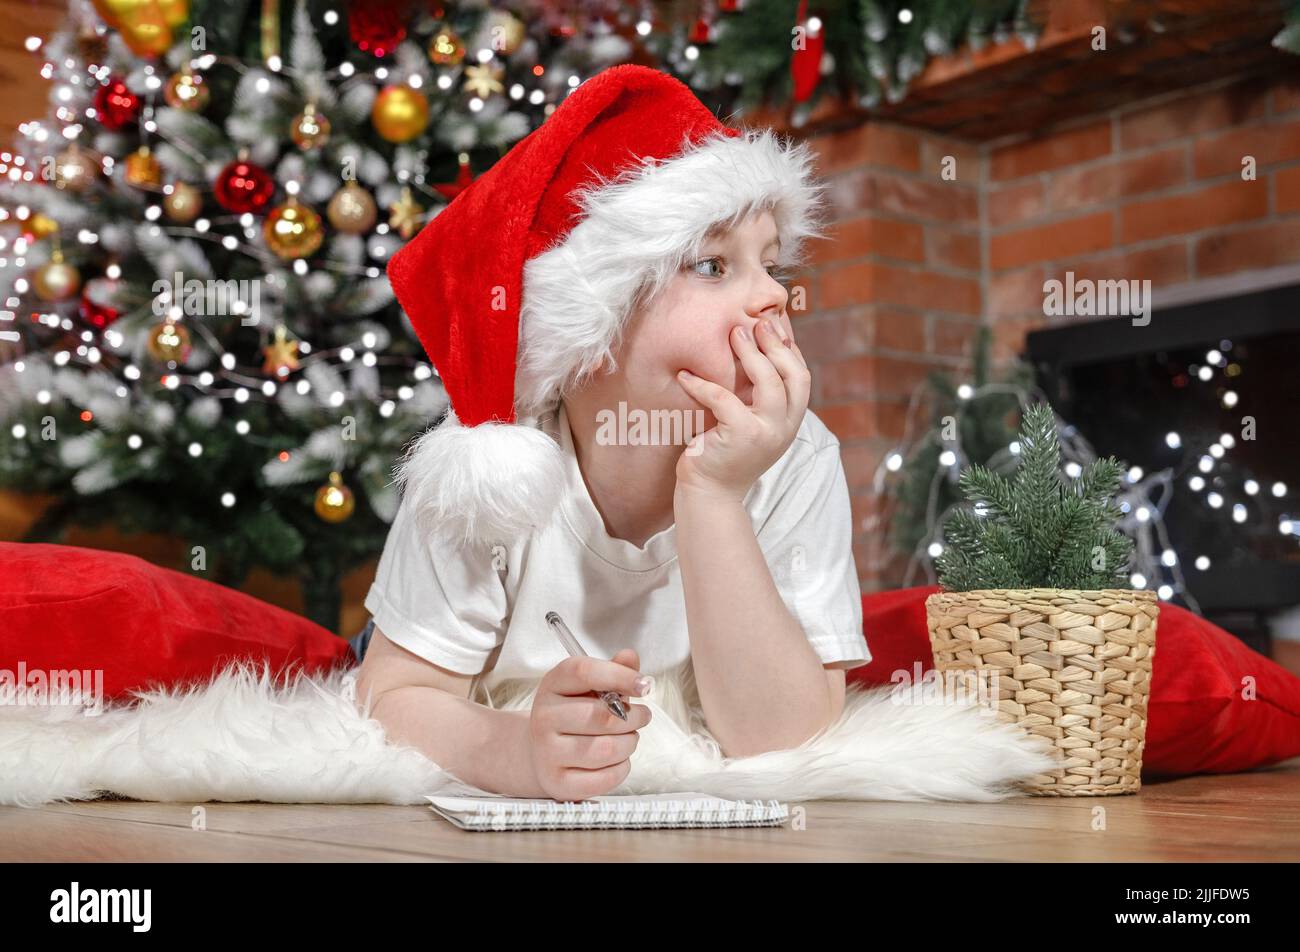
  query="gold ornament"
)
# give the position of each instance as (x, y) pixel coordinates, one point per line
(169, 342)
(75, 169)
(483, 80)
(404, 215)
(42, 226)
(309, 129)
(293, 230)
(187, 90)
(334, 501)
(352, 210)
(146, 25)
(446, 48)
(400, 113)
(183, 203)
(147, 34)
(505, 31)
(56, 280)
(175, 12)
(142, 169)
(281, 354)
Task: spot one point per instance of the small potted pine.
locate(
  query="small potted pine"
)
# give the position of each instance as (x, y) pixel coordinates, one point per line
(1036, 592)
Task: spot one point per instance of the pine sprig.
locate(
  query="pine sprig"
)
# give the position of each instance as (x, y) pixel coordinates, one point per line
(1037, 530)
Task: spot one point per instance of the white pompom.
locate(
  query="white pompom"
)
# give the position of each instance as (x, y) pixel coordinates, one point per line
(488, 483)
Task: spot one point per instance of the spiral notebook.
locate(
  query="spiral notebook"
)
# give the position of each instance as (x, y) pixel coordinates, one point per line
(662, 811)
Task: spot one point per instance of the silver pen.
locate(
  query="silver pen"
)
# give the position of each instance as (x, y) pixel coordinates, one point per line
(571, 645)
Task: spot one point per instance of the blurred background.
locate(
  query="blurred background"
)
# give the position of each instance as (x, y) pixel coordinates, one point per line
(975, 152)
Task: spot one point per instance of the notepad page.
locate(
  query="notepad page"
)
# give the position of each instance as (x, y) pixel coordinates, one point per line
(669, 810)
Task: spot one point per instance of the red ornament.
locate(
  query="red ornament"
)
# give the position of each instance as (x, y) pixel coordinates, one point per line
(731, 6)
(702, 32)
(95, 309)
(806, 64)
(243, 187)
(377, 26)
(464, 178)
(115, 105)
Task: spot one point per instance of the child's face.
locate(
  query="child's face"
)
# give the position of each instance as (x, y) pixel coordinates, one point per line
(689, 326)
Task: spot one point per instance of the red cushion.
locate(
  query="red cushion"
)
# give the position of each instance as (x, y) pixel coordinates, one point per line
(65, 607)
(1197, 719)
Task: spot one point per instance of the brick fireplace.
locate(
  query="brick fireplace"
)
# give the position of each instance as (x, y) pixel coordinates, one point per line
(1149, 190)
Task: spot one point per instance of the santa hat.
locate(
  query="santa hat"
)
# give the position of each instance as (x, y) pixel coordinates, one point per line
(519, 289)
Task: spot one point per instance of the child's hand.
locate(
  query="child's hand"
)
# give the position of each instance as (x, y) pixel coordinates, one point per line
(580, 748)
(726, 459)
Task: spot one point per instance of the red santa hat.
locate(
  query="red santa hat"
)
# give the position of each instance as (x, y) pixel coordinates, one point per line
(519, 289)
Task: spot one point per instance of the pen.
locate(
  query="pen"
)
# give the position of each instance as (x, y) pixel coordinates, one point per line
(611, 698)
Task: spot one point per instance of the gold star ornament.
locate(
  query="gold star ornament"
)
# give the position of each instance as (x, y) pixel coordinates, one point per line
(404, 215)
(483, 80)
(281, 355)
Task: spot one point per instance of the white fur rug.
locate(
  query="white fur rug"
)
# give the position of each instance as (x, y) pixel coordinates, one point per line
(247, 736)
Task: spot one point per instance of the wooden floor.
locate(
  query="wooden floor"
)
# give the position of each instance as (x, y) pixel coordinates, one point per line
(1250, 817)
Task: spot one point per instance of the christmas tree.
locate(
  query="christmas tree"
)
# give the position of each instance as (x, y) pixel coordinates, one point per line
(1037, 530)
(198, 337)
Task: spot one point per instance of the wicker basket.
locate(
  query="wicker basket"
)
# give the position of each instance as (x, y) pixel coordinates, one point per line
(1071, 666)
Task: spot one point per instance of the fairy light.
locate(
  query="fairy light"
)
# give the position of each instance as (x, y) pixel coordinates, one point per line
(1202, 562)
(196, 450)
(1173, 440)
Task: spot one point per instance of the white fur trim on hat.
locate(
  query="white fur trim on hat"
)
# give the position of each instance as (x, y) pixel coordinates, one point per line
(489, 483)
(636, 233)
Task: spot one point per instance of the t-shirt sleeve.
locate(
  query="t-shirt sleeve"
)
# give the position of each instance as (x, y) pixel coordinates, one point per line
(442, 601)
(808, 543)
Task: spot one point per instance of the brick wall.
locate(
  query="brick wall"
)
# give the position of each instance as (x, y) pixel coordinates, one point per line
(1150, 191)
(894, 292)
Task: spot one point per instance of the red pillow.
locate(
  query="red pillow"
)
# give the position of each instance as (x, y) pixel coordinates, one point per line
(68, 608)
(1197, 719)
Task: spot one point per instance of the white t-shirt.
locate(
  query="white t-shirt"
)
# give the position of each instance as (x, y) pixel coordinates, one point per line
(481, 610)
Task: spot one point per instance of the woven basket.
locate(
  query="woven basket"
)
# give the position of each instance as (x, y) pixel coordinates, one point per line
(1071, 666)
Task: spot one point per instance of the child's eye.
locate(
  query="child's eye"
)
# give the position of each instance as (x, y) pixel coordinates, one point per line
(776, 272)
(717, 261)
